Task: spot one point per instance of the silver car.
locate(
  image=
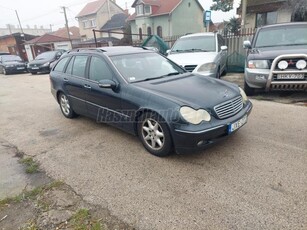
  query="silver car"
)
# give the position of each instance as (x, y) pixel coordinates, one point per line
(202, 53)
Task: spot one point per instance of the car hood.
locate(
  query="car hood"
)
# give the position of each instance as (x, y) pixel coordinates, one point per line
(40, 61)
(273, 52)
(192, 90)
(192, 58)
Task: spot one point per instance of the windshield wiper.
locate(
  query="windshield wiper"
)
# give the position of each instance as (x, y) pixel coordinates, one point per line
(154, 78)
(171, 74)
(198, 50)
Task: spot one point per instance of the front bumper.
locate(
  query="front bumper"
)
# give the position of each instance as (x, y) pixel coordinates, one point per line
(256, 78)
(41, 69)
(19, 69)
(194, 140)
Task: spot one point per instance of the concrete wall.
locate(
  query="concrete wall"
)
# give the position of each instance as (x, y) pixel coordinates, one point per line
(187, 18)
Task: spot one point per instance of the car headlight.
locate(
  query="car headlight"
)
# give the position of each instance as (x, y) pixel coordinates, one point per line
(243, 95)
(208, 67)
(194, 116)
(258, 64)
(8, 66)
(47, 64)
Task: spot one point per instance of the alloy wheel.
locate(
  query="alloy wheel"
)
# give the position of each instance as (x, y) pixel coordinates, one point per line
(153, 134)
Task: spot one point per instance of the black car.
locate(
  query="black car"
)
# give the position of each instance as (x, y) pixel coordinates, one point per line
(146, 94)
(12, 64)
(43, 61)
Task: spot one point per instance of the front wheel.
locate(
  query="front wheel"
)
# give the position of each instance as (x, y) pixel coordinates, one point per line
(154, 134)
(65, 106)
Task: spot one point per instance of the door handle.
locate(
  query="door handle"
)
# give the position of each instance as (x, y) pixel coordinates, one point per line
(87, 86)
(65, 79)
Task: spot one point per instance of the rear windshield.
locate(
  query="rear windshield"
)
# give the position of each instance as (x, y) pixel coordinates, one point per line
(8, 58)
(46, 55)
(282, 36)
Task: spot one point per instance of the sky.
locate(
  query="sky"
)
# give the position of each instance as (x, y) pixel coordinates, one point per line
(48, 13)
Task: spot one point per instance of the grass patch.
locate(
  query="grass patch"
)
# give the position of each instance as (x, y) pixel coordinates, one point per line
(31, 165)
(32, 194)
(81, 220)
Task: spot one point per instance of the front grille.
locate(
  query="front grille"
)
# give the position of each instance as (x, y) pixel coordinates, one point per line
(35, 65)
(229, 108)
(190, 68)
(291, 87)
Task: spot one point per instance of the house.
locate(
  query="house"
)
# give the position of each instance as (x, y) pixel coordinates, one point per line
(14, 44)
(266, 12)
(95, 15)
(74, 33)
(115, 27)
(166, 18)
(45, 43)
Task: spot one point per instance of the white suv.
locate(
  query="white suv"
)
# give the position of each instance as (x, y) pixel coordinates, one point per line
(203, 53)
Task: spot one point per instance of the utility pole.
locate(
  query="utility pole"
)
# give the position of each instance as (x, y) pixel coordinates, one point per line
(19, 23)
(243, 16)
(66, 24)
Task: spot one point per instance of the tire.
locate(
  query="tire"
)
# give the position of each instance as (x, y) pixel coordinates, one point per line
(248, 90)
(154, 134)
(65, 106)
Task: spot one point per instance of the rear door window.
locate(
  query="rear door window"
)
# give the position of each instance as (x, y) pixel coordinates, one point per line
(79, 66)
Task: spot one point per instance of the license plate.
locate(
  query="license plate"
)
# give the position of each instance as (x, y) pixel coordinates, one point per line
(287, 76)
(34, 68)
(20, 67)
(236, 125)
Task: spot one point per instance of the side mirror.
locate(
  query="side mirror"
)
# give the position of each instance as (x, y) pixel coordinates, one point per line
(107, 84)
(247, 45)
(224, 48)
(168, 52)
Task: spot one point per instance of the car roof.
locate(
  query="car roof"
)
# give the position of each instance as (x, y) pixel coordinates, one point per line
(199, 34)
(284, 24)
(114, 50)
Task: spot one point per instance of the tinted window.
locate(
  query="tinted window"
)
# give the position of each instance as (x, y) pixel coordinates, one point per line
(99, 69)
(70, 64)
(61, 64)
(79, 66)
(46, 55)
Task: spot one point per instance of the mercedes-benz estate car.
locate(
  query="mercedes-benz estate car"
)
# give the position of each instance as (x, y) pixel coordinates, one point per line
(12, 64)
(277, 58)
(147, 95)
(203, 53)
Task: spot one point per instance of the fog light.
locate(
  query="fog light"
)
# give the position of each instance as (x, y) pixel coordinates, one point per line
(200, 143)
(283, 65)
(260, 77)
(301, 64)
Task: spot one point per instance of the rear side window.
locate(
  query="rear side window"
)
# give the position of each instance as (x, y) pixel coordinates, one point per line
(79, 66)
(61, 64)
(99, 70)
(69, 66)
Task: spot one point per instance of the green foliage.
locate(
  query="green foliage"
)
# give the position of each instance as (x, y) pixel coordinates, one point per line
(223, 5)
(31, 165)
(299, 13)
(81, 220)
(233, 25)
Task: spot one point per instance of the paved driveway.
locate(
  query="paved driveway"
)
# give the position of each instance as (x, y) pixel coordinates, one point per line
(256, 179)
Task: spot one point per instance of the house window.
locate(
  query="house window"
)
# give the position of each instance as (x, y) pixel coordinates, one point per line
(84, 23)
(147, 9)
(140, 34)
(140, 9)
(266, 18)
(149, 31)
(159, 31)
(92, 23)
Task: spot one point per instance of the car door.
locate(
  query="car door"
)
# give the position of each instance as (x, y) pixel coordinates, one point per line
(103, 104)
(75, 83)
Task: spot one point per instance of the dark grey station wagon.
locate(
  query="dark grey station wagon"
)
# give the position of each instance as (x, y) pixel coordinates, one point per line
(147, 95)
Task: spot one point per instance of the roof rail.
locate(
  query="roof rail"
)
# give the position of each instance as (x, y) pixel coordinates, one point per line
(86, 49)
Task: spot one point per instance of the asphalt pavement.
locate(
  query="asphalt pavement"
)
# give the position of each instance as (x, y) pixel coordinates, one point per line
(255, 179)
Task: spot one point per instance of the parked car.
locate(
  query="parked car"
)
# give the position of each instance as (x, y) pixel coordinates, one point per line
(43, 61)
(12, 64)
(203, 53)
(4, 53)
(277, 58)
(146, 94)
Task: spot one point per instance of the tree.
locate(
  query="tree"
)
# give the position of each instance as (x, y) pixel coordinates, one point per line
(234, 25)
(299, 13)
(223, 5)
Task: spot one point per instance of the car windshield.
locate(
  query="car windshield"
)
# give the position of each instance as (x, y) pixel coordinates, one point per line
(145, 66)
(46, 55)
(197, 43)
(282, 36)
(8, 58)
